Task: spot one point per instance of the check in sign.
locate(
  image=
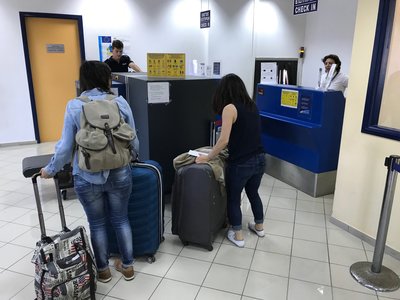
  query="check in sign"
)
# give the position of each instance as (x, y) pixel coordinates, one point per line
(304, 6)
(205, 19)
(289, 98)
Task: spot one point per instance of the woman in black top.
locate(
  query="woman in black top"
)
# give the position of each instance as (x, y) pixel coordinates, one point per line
(241, 132)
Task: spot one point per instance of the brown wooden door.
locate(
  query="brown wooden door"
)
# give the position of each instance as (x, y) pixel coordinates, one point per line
(53, 74)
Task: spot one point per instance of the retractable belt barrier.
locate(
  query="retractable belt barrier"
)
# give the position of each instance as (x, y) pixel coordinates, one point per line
(373, 275)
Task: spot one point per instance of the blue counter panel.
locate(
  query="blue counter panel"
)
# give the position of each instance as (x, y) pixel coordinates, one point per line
(301, 125)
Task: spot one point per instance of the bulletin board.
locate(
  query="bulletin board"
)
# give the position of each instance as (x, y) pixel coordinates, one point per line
(166, 65)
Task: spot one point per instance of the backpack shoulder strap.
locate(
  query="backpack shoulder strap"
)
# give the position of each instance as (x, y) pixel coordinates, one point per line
(84, 99)
(111, 97)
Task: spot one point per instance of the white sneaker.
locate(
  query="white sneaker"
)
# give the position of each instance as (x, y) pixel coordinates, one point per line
(231, 237)
(252, 227)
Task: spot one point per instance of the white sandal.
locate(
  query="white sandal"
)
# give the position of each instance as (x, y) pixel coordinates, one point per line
(231, 236)
(252, 227)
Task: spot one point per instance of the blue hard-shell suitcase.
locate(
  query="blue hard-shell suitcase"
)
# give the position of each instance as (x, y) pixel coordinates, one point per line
(145, 211)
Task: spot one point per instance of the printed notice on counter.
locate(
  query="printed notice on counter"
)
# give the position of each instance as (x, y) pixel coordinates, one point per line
(289, 98)
(158, 92)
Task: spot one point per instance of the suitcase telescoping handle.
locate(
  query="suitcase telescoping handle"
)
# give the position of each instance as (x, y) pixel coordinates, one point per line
(39, 206)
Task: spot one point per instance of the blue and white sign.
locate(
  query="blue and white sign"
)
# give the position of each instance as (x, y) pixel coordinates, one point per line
(304, 6)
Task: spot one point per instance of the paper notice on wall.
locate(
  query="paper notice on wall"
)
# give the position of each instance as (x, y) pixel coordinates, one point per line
(268, 72)
(158, 92)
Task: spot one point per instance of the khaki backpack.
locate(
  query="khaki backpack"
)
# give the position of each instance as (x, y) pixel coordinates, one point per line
(103, 141)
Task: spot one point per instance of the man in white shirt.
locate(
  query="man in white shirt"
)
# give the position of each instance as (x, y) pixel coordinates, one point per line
(333, 79)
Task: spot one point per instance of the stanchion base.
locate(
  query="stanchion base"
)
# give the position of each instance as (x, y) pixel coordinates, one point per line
(385, 281)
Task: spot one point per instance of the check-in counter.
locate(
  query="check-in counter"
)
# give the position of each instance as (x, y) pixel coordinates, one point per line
(169, 128)
(301, 133)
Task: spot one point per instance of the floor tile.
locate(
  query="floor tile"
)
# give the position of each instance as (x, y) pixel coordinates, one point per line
(234, 256)
(388, 261)
(159, 268)
(280, 214)
(309, 206)
(75, 209)
(12, 212)
(309, 233)
(13, 283)
(211, 294)
(200, 253)
(24, 265)
(105, 288)
(283, 192)
(226, 278)
(140, 288)
(301, 290)
(343, 238)
(13, 198)
(278, 228)
(310, 270)
(345, 256)
(10, 231)
(175, 290)
(10, 254)
(188, 270)
(295, 245)
(30, 237)
(341, 278)
(266, 286)
(54, 222)
(271, 263)
(171, 244)
(303, 196)
(281, 184)
(309, 218)
(340, 294)
(27, 292)
(281, 202)
(310, 250)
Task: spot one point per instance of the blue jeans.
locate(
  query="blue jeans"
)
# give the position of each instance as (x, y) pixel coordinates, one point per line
(245, 175)
(103, 201)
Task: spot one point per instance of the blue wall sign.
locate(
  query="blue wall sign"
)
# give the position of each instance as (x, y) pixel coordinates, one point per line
(304, 6)
(205, 17)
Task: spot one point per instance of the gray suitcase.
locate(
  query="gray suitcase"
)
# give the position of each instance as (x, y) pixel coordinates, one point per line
(197, 205)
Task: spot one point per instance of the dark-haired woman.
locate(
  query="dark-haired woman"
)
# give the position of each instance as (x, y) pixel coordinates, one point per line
(97, 190)
(338, 81)
(246, 163)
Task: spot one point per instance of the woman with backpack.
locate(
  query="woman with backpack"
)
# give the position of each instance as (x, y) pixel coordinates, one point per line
(103, 193)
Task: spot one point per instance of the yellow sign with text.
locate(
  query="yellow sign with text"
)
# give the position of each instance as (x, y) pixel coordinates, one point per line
(289, 98)
(166, 65)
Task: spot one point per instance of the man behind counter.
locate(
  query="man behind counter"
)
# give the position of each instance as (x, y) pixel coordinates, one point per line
(118, 62)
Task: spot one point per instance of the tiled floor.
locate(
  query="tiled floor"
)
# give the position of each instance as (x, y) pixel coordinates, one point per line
(302, 257)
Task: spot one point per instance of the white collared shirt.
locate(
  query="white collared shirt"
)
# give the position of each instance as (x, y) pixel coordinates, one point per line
(338, 83)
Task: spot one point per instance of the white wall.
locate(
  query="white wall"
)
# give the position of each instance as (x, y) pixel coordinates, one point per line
(240, 31)
(330, 31)
(361, 172)
(146, 26)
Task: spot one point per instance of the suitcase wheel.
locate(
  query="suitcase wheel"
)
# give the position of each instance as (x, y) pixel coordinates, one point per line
(151, 259)
(210, 248)
(185, 243)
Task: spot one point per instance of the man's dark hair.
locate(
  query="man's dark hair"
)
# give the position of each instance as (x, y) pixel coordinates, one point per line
(117, 44)
(335, 58)
(94, 74)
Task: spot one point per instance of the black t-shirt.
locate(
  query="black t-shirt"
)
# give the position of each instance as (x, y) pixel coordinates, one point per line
(245, 138)
(121, 66)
